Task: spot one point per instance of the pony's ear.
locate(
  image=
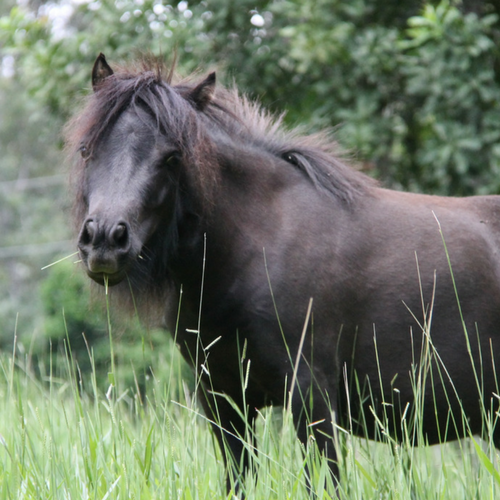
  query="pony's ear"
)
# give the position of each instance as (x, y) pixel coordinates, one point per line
(202, 94)
(100, 71)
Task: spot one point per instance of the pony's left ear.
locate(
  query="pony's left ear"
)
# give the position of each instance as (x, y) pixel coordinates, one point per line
(100, 71)
(202, 94)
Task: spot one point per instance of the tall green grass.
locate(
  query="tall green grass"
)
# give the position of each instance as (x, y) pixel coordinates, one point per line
(60, 442)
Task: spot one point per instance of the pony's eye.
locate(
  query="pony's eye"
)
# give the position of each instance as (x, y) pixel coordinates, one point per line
(291, 158)
(172, 159)
(84, 151)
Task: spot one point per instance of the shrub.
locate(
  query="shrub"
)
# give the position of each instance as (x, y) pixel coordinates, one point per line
(72, 318)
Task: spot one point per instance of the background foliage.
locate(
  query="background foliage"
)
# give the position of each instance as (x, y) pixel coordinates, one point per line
(412, 89)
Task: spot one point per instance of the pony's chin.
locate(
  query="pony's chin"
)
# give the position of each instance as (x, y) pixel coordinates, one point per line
(107, 279)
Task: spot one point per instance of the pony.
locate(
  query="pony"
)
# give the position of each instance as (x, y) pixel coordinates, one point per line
(273, 261)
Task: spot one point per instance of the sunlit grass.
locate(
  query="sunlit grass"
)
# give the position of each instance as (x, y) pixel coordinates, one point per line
(60, 442)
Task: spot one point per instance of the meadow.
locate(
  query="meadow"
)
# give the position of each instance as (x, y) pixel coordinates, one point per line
(61, 437)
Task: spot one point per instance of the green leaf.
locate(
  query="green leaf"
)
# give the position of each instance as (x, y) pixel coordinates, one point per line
(486, 462)
(365, 473)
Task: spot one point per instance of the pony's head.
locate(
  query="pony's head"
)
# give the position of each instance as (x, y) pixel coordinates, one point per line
(134, 137)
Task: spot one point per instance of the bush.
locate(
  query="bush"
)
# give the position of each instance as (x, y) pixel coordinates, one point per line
(420, 106)
(72, 319)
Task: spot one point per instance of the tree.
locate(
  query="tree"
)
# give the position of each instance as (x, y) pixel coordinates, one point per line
(421, 105)
(414, 99)
(33, 203)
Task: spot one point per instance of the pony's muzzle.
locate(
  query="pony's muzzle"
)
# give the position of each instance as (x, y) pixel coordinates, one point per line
(105, 249)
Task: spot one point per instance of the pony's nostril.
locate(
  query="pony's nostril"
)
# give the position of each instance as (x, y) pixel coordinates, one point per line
(119, 235)
(91, 228)
(89, 232)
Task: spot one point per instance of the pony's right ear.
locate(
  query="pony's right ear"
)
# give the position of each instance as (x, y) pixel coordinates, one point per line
(100, 71)
(202, 94)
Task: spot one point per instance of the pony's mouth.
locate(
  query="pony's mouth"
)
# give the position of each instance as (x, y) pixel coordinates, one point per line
(107, 279)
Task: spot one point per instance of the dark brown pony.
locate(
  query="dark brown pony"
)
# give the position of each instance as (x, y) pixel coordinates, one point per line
(200, 203)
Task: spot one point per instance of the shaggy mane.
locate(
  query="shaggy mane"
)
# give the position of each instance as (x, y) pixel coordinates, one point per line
(150, 83)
